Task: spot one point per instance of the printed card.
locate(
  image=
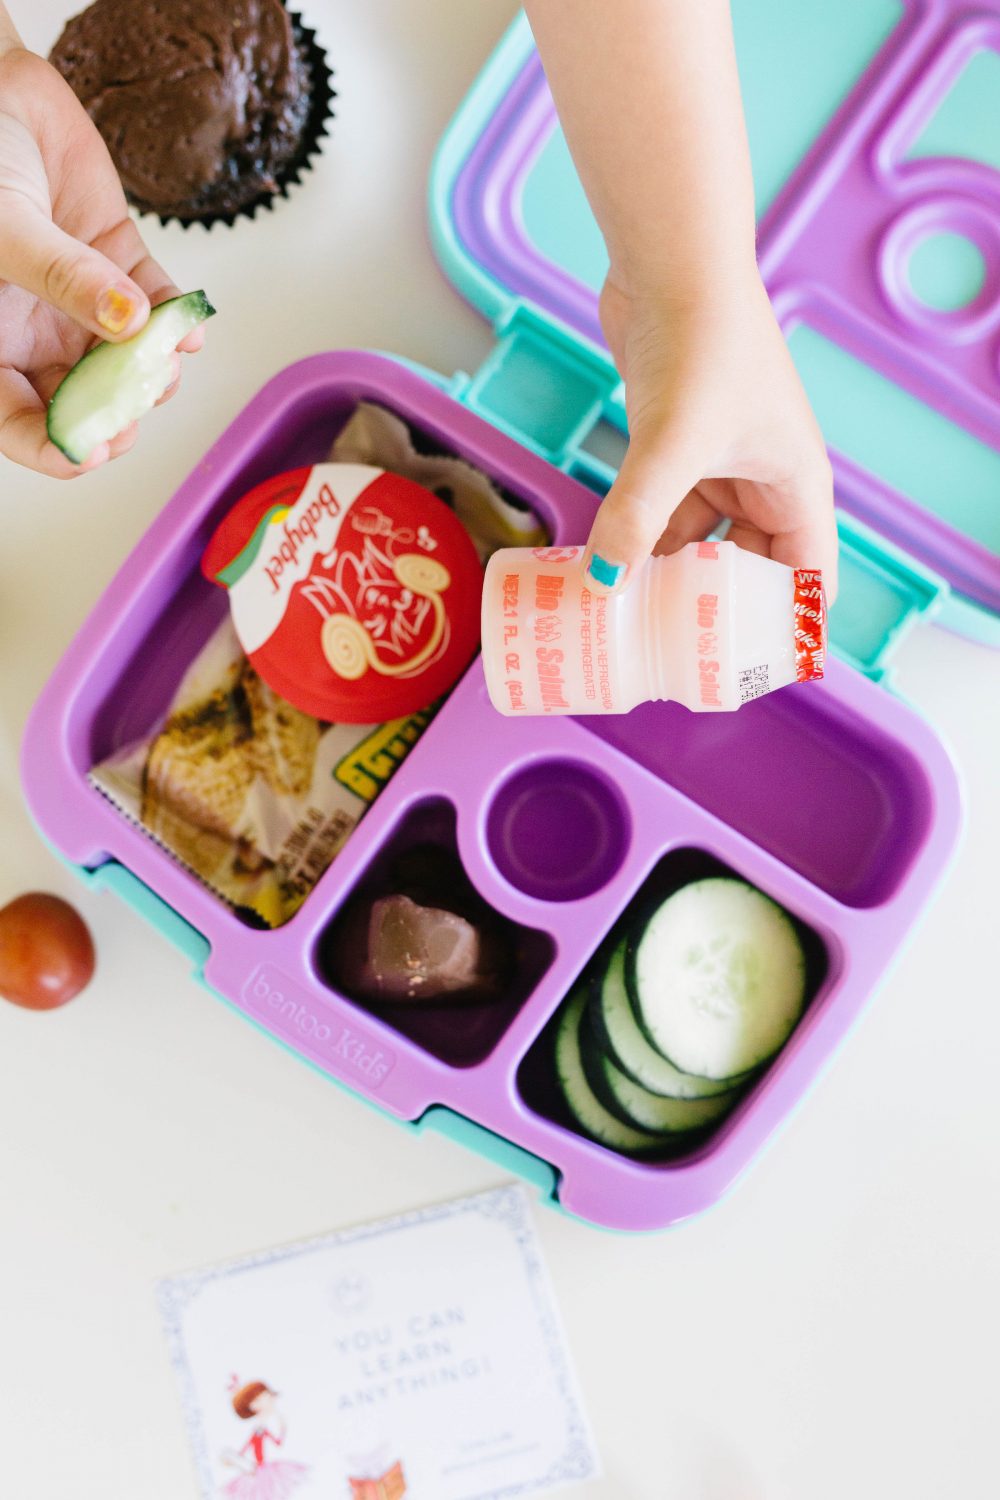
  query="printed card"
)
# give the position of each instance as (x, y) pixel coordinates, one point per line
(419, 1358)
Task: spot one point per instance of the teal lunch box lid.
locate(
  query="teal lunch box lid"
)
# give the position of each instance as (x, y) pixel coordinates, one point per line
(872, 229)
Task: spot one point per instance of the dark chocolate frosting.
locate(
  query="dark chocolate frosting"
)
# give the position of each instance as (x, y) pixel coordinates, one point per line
(201, 102)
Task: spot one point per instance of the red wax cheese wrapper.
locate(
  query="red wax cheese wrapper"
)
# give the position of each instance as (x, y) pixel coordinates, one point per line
(354, 592)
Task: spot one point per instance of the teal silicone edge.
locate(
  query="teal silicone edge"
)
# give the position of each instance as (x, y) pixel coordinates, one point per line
(513, 50)
(465, 1132)
(530, 1168)
(153, 909)
(135, 893)
(914, 593)
(112, 876)
(453, 385)
(969, 620)
(120, 881)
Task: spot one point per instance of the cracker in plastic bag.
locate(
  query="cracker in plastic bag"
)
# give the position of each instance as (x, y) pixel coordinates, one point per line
(251, 795)
(378, 437)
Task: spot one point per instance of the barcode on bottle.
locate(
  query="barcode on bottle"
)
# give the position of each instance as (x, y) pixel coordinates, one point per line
(753, 683)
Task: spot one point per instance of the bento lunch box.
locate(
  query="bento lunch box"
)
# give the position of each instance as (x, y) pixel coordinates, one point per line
(837, 799)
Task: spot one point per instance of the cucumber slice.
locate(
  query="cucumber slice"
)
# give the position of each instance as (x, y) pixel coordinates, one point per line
(587, 1110)
(646, 1111)
(114, 384)
(620, 1035)
(717, 977)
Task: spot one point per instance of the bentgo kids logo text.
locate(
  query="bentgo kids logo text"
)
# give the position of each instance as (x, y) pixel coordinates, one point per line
(284, 1007)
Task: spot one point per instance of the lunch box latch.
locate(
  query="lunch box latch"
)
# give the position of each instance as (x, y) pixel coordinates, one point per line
(474, 1137)
(116, 878)
(883, 594)
(547, 389)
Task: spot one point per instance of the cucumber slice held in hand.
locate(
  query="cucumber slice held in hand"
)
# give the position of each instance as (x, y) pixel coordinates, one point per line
(717, 976)
(113, 384)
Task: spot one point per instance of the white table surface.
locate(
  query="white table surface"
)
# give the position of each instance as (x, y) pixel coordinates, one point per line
(828, 1331)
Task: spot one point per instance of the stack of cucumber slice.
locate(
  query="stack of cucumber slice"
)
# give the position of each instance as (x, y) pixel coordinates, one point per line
(659, 1038)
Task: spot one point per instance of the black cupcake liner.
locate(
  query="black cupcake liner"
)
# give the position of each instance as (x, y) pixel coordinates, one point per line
(321, 112)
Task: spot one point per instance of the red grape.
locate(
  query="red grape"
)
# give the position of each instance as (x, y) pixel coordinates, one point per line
(46, 951)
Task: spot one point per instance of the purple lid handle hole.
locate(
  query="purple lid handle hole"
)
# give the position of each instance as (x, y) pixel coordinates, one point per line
(941, 227)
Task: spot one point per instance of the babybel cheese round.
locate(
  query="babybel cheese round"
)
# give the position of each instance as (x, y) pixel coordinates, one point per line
(355, 593)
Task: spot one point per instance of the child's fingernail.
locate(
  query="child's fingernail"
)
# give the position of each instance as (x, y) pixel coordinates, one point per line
(609, 575)
(116, 308)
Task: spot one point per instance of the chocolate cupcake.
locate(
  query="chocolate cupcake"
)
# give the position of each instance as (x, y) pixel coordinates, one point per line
(209, 107)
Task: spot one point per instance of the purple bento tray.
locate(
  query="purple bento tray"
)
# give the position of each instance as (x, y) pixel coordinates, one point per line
(832, 250)
(835, 799)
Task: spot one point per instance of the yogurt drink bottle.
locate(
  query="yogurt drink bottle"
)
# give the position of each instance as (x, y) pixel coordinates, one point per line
(711, 626)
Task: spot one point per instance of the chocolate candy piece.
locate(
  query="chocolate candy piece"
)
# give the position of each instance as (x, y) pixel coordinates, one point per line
(418, 952)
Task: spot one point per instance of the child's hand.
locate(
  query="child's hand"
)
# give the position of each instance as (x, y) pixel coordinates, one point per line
(72, 262)
(719, 428)
(719, 423)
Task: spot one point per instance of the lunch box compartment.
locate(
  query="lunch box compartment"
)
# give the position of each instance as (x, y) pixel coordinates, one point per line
(558, 830)
(179, 609)
(461, 1030)
(536, 1078)
(816, 785)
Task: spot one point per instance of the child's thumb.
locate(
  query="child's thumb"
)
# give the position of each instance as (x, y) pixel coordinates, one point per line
(635, 513)
(79, 281)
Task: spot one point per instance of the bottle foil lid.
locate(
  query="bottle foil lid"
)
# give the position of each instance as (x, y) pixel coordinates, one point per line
(355, 593)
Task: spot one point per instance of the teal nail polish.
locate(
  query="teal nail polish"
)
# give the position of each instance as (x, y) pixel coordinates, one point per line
(605, 573)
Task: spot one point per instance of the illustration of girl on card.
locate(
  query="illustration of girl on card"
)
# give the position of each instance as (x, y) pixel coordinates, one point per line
(260, 1477)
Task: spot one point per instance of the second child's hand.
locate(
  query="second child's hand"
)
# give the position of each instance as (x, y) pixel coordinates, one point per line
(73, 265)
